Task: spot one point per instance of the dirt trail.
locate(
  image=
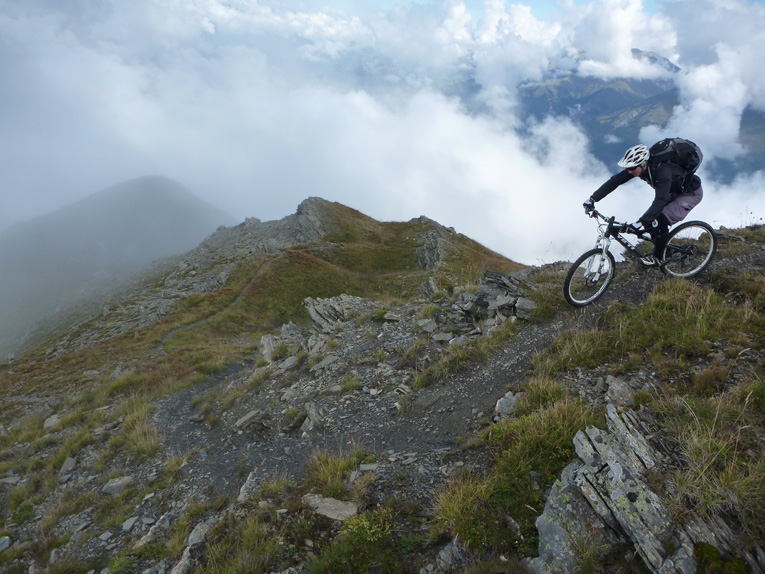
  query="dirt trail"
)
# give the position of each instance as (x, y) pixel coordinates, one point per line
(437, 418)
(160, 347)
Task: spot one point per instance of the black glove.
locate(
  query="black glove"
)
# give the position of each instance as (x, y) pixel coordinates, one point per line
(635, 228)
(589, 205)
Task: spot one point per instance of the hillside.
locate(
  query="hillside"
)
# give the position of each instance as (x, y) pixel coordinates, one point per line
(329, 393)
(79, 252)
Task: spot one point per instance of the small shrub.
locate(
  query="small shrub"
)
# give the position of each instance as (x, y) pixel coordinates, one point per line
(365, 544)
(241, 544)
(379, 315)
(275, 487)
(293, 417)
(464, 508)
(281, 351)
(709, 561)
(350, 383)
(709, 381)
(121, 564)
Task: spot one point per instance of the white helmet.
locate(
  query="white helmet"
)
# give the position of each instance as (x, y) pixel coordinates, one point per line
(635, 156)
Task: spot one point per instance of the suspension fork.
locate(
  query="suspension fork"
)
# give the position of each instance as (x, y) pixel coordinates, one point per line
(595, 266)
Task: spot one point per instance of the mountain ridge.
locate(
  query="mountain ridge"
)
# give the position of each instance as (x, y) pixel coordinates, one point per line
(383, 395)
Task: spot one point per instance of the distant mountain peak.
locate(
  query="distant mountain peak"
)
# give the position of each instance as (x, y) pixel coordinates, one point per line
(655, 58)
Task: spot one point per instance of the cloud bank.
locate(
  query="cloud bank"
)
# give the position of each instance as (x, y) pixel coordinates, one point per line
(256, 105)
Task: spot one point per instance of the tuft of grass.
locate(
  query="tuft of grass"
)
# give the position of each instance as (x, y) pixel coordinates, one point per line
(466, 508)
(239, 544)
(725, 468)
(350, 383)
(140, 437)
(540, 444)
(677, 322)
(539, 392)
(328, 472)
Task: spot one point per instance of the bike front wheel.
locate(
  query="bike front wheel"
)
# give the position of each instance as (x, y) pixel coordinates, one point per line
(589, 277)
(689, 250)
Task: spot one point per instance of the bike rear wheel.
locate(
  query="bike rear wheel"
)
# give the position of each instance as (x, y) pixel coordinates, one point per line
(589, 277)
(689, 249)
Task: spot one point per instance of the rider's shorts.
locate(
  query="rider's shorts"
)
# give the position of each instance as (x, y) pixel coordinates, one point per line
(678, 208)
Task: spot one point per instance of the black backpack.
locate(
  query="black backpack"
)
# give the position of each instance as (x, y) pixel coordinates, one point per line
(683, 153)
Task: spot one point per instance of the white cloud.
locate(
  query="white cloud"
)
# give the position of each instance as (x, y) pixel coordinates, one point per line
(255, 106)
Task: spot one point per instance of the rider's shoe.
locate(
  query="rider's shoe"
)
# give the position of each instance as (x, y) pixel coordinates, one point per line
(650, 260)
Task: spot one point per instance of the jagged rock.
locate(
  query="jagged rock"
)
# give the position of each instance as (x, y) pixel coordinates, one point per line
(331, 507)
(506, 405)
(291, 331)
(430, 255)
(318, 344)
(451, 557)
(442, 337)
(254, 420)
(524, 308)
(268, 344)
(610, 480)
(430, 287)
(466, 303)
(117, 485)
(566, 514)
(127, 526)
(325, 313)
(68, 466)
(162, 524)
(51, 422)
(288, 363)
(185, 564)
(54, 556)
(314, 418)
(250, 486)
(324, 363)
(199, 533)
(427, 325)
(5, 543)
(619, 392)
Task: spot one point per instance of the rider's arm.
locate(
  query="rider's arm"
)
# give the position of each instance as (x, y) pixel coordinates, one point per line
(620, 178)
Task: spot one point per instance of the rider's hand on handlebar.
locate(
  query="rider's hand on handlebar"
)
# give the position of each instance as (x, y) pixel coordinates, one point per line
(589, 206)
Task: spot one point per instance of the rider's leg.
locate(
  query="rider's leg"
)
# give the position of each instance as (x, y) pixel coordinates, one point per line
(675, 211)
(659, 235)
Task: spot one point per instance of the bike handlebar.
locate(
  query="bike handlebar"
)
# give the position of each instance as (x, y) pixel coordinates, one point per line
(612, 223)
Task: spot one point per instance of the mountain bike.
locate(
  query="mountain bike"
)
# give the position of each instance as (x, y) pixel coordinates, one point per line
(689, 251)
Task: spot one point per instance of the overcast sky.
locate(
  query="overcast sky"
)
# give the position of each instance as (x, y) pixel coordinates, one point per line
(255, 105)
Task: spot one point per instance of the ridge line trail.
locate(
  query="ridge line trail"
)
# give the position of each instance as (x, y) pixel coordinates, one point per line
(160, 347)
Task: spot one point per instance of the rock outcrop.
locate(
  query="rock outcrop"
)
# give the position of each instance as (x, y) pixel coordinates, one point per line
(605, 498)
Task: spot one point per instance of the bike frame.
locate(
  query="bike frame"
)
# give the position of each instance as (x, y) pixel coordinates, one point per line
(611, 229)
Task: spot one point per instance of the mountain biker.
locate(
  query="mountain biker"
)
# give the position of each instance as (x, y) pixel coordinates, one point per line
(675, 195)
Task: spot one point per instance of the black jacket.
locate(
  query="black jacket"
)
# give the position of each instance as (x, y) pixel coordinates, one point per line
(667, 180)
